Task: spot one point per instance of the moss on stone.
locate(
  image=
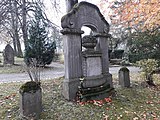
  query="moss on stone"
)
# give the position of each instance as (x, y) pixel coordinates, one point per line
(30, 86)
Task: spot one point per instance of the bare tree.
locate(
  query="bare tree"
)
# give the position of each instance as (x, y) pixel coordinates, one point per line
(24, 22)
(9, 22)
(15, 16)
(15, 26)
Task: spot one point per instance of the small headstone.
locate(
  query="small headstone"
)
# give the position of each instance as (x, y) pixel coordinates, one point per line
(124, 79)
(8, 55)
(31, 104)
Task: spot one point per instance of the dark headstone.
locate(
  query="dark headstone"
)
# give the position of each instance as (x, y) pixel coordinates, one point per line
(124, 79)
(8, 55)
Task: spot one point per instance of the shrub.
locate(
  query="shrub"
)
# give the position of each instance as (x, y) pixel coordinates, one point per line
(147, 66)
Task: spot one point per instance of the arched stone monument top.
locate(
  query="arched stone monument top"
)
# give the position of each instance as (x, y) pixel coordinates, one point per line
(85, 14)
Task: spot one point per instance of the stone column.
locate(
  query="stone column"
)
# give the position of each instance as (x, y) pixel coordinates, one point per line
(103, 47)
(72, 62)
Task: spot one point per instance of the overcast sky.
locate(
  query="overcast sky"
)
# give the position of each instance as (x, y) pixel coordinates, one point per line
(52, 14)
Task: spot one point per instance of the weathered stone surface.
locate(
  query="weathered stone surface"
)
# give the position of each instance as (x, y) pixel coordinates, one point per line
(89, 42)
(92, 63)
(31, 104)
(92, 81)
(94, 66)
(103, 43)
(72, 56)
(70, 88)
(85, 13)
(72, 64)
(8, 55)
(124, 78)
(108, 78)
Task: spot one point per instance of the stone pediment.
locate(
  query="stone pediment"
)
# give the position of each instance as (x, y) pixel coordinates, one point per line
(85, 14)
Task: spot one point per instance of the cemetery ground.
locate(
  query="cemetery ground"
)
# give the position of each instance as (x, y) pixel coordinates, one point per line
(135, 103)
(17, 68)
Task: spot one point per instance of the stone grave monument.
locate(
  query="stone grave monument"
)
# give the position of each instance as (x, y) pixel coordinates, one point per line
(8, 55)
(86, 71)
(124, 78)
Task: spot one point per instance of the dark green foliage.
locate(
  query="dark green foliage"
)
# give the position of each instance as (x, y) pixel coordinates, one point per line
(145, 45)
(39, 45)
(116, 54)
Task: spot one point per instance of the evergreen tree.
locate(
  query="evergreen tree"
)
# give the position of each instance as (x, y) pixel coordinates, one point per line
(39, 45)
(145, 45)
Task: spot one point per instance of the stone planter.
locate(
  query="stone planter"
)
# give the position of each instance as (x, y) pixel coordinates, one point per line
(30, 100)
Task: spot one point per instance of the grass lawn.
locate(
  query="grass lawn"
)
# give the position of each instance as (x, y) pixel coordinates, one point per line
(134, 103)
(19, 66)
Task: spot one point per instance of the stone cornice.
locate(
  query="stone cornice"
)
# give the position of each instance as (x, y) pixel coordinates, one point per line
(102, 35)
(71, 31)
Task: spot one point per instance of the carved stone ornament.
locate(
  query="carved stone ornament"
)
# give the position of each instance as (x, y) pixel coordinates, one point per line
(91, 16)
(89, 42)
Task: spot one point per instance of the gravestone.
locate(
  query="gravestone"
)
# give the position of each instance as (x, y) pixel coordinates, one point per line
(91, 65)
(8, 55)
(124, 79)
(30, 100)
(31, 104)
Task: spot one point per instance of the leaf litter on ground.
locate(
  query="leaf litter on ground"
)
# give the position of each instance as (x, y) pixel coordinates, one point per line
(133, 103)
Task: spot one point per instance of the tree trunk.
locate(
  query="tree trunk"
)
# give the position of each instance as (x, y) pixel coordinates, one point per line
(13, 26)
(70, 4)
(24, 23)
(14, 23)
(18, 44)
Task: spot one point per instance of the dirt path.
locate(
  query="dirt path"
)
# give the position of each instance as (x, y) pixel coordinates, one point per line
(54, 70)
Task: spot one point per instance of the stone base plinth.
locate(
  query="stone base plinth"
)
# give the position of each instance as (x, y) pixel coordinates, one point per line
(93, 81)
(108, 78)
(95, 87)
(70, 88)
(99, 95)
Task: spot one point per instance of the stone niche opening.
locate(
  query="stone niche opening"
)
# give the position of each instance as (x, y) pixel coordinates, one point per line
(91, 58)
(87, 31)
